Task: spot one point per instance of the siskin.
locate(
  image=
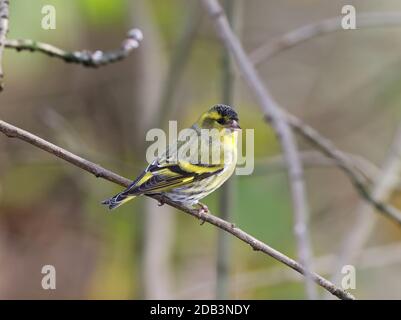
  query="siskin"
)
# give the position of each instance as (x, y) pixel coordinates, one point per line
(190, 170)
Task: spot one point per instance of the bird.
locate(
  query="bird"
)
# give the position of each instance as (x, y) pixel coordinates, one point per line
(185, 177)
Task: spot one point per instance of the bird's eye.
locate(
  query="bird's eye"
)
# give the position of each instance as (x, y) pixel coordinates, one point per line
(220, 121)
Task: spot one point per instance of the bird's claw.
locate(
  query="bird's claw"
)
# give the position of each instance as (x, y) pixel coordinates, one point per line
(202, 209)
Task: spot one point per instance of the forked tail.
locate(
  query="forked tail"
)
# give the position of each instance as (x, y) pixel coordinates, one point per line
(118, 200)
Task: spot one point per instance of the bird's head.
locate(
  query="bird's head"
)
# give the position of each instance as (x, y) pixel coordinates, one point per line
(219, 117)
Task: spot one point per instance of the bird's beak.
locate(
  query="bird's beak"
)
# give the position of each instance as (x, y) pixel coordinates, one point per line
(234, 125)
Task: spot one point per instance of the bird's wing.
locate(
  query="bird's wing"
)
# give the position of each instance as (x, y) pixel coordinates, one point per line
(176, 167)
(163, 178)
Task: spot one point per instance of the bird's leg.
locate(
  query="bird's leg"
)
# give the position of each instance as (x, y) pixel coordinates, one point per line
(202, 209)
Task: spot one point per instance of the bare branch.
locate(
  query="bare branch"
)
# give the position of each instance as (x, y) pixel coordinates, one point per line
(86, 58)
(304, 33)
(343, 162)
(3, 33)
(15, 132)
(271, 108)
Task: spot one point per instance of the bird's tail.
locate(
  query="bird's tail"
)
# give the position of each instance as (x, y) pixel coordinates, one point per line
(118, 200)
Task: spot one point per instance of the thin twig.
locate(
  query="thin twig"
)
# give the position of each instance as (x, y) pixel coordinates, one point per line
(304, 33)
(86, 58)
(271, 108)
(15, 132)
(365, 219)
(3, 33)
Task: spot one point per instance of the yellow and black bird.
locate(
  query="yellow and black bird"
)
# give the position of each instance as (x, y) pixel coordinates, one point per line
(184, 176)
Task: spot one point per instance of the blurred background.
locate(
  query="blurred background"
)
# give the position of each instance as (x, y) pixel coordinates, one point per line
(345, 84)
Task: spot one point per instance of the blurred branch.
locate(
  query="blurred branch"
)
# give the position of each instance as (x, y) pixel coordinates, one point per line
(384, 185)
(15, 132)
(343, 162)
(304, 33)
(86, 58)
(3, 33)
(283, 131)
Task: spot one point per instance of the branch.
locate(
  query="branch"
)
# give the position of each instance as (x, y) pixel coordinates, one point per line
(270, 107)
(15, 132)
(86, 58)
(304, 33)
(3, 33)
(344, 162)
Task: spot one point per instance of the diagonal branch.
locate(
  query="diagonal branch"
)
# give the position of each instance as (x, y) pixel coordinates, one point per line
(3, 33)
(277, 119)
(86, 58)
(346, 164)
(15, 132)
